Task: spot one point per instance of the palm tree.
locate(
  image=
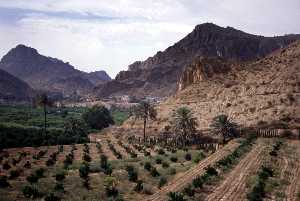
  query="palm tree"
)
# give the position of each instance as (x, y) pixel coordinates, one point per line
(145, 111)
(184, 123)
(44, 101)
(222, 125)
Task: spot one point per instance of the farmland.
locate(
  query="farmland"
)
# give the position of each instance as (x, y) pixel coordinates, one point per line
(151, 172)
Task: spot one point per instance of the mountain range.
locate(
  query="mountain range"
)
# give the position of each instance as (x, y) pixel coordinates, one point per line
(158, 75)
(50, 74)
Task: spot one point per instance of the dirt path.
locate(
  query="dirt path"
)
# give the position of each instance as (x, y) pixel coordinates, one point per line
(233, 187)
(188, 176)
(294, 174)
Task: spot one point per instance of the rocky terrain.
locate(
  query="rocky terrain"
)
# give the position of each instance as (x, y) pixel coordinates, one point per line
(49, 74)
(13, 89)
(158, 75)
(266, 91)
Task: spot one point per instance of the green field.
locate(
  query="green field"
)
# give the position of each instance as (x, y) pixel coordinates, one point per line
(24, 115)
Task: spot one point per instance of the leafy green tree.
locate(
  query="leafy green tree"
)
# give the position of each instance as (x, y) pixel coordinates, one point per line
(76, 129)
(44, 101)
(145, 111)
(222, 125)
(98, 117)
(184, 123)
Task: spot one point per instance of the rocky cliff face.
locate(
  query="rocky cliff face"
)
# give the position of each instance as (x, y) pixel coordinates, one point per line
(13, 89)
(203, 68)
(49, 74)
(266, 91)
(159, 74)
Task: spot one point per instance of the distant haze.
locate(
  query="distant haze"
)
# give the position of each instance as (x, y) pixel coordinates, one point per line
(111, 34)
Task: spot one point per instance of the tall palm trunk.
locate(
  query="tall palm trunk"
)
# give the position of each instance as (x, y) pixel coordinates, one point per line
(45, 119)
(145, 122)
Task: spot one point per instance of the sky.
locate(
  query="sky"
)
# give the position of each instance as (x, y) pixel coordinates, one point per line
(111, 34)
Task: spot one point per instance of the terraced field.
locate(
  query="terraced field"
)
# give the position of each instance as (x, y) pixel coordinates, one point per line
(234, 186)
(178, 183)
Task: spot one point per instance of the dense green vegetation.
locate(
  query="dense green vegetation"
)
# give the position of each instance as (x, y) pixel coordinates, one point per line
(25, 115)
(23, 125)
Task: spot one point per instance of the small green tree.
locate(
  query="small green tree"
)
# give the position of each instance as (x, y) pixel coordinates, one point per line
(145, 111)
(184, 123)
(110, 184)
(222, 125)
(176, 196)
(98, 117)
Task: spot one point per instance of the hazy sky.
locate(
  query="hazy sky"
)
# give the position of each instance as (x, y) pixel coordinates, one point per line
(111, 34)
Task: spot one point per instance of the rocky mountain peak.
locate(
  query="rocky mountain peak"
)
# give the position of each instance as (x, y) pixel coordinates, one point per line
(20, 52)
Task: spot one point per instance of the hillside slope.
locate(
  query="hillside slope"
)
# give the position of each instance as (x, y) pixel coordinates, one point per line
(158, 75)
(13, 89)
(266, 91)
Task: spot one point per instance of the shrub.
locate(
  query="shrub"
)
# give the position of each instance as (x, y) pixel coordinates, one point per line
(133, 155)
(162, 182)
(50, 162)
(147, 166)
(40, 172)
(68, 160)
(59, 187)
(189, 190)
(199, 157)
(188, 156)
(154, 172)
(32, 178)
(139, 186)
(161, 152)
(174, 151)
(176, 196)
(31, 192)
(165, 164)
(27, 164)
(174, 159)
(14, 174)
(60, 176)
(110, 184)
(198, 182)
(87, 157)
(147, 153)
(6, 165)
(84, 170)
(172, 171)
(103, 161)
(52, 197)
(158, 161)
(61, 148)
(132, 173)
(98, 117)
(3, 182)
(108, 170)
(211, 171)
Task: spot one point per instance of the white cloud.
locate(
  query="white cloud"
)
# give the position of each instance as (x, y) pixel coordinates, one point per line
(111, 34)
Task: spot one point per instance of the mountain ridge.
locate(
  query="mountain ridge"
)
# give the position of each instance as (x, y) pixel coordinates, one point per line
(158, 75)
(42, 72)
